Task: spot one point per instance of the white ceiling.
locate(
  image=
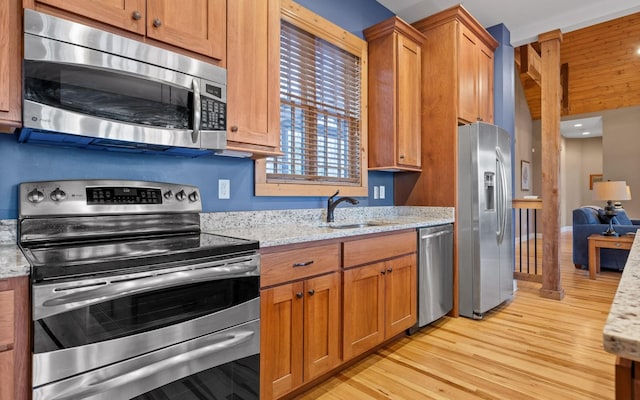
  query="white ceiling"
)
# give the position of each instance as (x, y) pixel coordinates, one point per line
(525, 19)
(581, 128)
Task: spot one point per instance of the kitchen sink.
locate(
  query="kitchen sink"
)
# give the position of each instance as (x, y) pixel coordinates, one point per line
(356, 225)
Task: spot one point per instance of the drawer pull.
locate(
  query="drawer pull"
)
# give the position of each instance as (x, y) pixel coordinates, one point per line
(299, 295)
(6, 347)
(618, 244)
(312, 292)
(303, 264)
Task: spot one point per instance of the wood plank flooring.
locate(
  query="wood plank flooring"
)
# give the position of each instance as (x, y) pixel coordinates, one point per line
(529, 348)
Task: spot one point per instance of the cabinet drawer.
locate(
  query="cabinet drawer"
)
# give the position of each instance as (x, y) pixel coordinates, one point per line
(289, 265)
(6, 319)
(365, 251)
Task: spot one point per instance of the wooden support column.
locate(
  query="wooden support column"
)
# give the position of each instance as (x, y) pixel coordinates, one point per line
(551, 103)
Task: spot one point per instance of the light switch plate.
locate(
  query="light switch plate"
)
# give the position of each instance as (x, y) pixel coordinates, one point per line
(382, 192)
(224, 189)
(376, 193)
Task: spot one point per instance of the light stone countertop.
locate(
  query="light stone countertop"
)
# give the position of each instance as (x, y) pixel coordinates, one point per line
(276, 228)
(12, 262)
(271, 228)
(621, 334)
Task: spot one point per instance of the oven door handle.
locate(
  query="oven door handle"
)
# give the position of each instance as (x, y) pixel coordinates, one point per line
(105, 384)
(114, 290)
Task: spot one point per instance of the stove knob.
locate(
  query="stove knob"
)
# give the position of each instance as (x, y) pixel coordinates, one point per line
(168, 194)
(181, 195)
(193, 196)
(35, 196)
(58, 195)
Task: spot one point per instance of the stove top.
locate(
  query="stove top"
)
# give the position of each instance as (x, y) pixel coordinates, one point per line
(82, 259)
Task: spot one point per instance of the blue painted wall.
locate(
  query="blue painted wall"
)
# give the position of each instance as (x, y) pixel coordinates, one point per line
(504, 98)
(20, 162)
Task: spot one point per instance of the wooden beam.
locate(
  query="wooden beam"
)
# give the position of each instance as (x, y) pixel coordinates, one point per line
(551, 98)
(530, 63)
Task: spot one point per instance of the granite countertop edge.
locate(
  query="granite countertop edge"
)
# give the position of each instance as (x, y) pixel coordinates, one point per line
(270, 236)
(621, 334)
(12, 262)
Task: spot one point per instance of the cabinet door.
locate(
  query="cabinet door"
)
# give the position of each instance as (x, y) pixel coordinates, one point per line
(7, 362)
(125, 14)
(7, 388)
(321, 325)
(467, 75)
(400, 294)
(363, 309)
(253, 73)
(485, 83)
(10, 64)
(196, 25)
(409, 103)
(281, 343)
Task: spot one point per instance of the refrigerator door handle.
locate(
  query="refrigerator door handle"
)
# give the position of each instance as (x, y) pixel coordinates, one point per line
(502, 196)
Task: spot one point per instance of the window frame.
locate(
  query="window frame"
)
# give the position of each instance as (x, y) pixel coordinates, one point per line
(310, 22)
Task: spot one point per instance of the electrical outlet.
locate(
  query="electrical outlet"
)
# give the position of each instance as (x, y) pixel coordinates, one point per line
(224, 189)
(376, 193)
(382, 192)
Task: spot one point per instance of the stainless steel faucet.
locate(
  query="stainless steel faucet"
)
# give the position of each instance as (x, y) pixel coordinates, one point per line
(331, 205)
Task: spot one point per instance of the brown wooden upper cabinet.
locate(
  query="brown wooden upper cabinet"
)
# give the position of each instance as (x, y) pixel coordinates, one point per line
(395, 57)
(253, 74)
(10, 65)
(196, 25)
(469, 49)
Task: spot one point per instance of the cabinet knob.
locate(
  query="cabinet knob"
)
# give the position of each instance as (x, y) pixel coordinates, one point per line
(136, 15)
(390, 270)
(157, 23)
(402, 157)
(311, 292)
(299, 295)
(383, 272)
(234, 129)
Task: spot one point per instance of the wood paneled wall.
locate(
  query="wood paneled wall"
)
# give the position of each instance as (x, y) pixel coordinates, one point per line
(604, 67)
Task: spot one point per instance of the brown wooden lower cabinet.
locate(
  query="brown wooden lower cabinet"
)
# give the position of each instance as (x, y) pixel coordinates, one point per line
(317, 313)
(627, 379)
(300, 331)
(14, 339)
(379, 303)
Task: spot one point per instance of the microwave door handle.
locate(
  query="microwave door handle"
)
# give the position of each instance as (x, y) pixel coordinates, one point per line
(176, 361)
(197, 111)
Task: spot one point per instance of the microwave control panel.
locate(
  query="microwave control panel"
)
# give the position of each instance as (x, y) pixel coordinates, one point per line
(213, 109)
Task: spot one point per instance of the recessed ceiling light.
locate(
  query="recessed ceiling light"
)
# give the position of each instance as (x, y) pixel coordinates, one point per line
(577, 125)
(638, 50)
(586, 133)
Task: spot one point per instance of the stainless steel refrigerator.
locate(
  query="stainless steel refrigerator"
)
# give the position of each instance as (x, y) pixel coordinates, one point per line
(485, 248)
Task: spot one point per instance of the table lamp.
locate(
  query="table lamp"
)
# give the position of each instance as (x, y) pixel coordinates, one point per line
(611, 191)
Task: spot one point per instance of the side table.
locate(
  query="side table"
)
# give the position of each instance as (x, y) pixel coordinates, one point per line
(597, 242)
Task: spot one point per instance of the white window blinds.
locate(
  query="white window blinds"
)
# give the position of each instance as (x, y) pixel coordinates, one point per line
(320, 98)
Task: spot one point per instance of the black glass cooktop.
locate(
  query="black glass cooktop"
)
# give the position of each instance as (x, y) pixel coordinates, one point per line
(73, 260)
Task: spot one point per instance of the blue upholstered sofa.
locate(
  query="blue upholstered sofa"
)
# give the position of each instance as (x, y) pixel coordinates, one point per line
(587, 221)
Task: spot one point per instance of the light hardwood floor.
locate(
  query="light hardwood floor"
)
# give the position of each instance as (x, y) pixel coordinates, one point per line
(529, 348)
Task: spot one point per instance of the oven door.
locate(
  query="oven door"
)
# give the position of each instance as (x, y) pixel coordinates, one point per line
(83, 325)
(222, 365)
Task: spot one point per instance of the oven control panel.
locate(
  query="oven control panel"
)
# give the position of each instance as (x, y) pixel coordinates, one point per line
(92, 197)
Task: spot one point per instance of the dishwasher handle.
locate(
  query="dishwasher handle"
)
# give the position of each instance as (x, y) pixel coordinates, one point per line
(436, 234)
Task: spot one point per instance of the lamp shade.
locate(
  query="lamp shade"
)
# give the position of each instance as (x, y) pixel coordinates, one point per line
(611, 190)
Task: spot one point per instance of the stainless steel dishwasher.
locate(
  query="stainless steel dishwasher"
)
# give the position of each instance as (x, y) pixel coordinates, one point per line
(435, 273)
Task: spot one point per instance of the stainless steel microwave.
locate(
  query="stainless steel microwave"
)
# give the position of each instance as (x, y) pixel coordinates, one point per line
(89, 88)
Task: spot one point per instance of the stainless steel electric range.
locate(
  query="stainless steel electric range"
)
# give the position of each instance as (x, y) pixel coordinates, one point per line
(131, 300)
